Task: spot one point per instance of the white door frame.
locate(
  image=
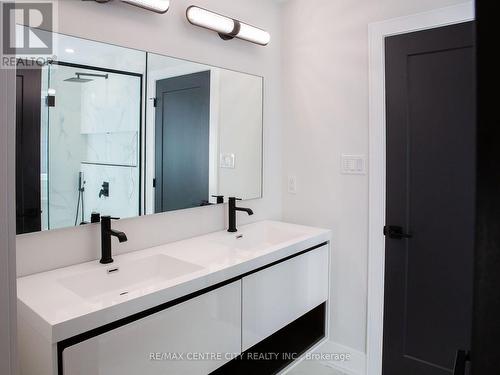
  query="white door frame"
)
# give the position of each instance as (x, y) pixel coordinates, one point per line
(377, 145)
(8, 298)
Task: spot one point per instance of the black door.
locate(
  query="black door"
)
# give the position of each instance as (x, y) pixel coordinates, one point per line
(28, 106)
(182, 141)
(430, 89)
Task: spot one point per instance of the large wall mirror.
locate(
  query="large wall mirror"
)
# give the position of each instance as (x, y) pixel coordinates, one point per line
(121, 132)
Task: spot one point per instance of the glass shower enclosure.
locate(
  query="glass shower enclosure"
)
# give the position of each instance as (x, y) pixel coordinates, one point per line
(90, 144)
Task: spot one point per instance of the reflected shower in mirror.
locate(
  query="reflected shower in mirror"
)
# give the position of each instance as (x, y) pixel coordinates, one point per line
(204, 134)
(78, 149)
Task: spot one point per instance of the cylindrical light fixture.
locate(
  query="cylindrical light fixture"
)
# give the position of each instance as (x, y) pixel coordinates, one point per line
(227, 28)
(158, 6)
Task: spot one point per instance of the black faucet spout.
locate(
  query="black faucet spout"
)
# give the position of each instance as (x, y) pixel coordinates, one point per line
(247, 210)
(122, 237)
(106, 233)
(232, 213)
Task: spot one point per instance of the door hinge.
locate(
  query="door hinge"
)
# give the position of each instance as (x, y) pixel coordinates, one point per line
(155, 102)
(154, 182)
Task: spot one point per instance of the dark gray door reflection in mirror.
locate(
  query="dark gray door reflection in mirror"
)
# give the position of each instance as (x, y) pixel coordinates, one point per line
(182, 124)
(28, 210)
(203, 137)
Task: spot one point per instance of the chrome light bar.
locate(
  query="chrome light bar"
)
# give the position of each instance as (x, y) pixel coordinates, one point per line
(226, 27)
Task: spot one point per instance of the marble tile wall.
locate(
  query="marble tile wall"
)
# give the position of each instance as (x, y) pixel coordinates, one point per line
(111, 105)
(113, 148)
(123, 200)
(93, 129)
(65, 149)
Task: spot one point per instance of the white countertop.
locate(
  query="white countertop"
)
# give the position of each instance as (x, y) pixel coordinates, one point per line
(58, 313)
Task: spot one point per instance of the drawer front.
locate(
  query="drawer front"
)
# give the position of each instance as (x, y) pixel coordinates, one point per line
(276, 296)
(210, 323)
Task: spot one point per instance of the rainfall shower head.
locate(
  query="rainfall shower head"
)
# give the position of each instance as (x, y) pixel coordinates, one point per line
(79, 79)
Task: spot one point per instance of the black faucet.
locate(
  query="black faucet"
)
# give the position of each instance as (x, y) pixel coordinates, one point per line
(106, 233)
(232, 213)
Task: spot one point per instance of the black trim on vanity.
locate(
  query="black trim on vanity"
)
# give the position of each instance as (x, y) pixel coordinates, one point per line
(277, 351)
(61, 345)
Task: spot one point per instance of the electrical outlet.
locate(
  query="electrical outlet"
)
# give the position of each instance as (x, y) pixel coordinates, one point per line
(292, 184)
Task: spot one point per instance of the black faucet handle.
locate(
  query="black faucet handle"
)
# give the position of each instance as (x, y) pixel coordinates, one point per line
(108, 217)
(236, 199)
(95, 217)
(220, 198)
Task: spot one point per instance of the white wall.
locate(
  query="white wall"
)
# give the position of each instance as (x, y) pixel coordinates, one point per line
(8, 335)
(325, 77)
(240, 134)
(171, 34)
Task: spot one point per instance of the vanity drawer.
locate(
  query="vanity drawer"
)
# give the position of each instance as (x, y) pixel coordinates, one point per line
(210, 323)
(278, 295)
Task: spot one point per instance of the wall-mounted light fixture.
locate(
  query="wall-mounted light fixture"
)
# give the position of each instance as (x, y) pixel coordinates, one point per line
(158, 6)
(226, 27)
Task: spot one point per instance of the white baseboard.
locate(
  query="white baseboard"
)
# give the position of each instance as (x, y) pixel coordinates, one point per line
(356, 365)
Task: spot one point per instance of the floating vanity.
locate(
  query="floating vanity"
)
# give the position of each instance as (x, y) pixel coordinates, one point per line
(189, 307)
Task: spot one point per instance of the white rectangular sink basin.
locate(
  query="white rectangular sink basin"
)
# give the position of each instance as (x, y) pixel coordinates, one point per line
(261, 237)
(125, 278)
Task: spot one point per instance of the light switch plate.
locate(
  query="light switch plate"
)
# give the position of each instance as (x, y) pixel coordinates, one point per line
(227, 160)
(353, 164)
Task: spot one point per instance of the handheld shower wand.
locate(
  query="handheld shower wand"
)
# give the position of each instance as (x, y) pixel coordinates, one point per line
(81, 190)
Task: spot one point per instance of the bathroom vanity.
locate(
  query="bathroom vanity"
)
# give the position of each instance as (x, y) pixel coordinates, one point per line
(219, 303)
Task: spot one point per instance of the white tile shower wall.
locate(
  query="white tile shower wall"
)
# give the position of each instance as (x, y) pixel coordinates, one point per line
(65, 149)
(123, 200)
(111, 105)
(172, 35)
(113, 148)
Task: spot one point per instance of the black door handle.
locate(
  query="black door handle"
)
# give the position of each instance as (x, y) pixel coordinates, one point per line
(395, 232)
(461, 360)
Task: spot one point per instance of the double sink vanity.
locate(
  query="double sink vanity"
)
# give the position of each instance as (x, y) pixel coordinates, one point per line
(218, 303)
(123, 133)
